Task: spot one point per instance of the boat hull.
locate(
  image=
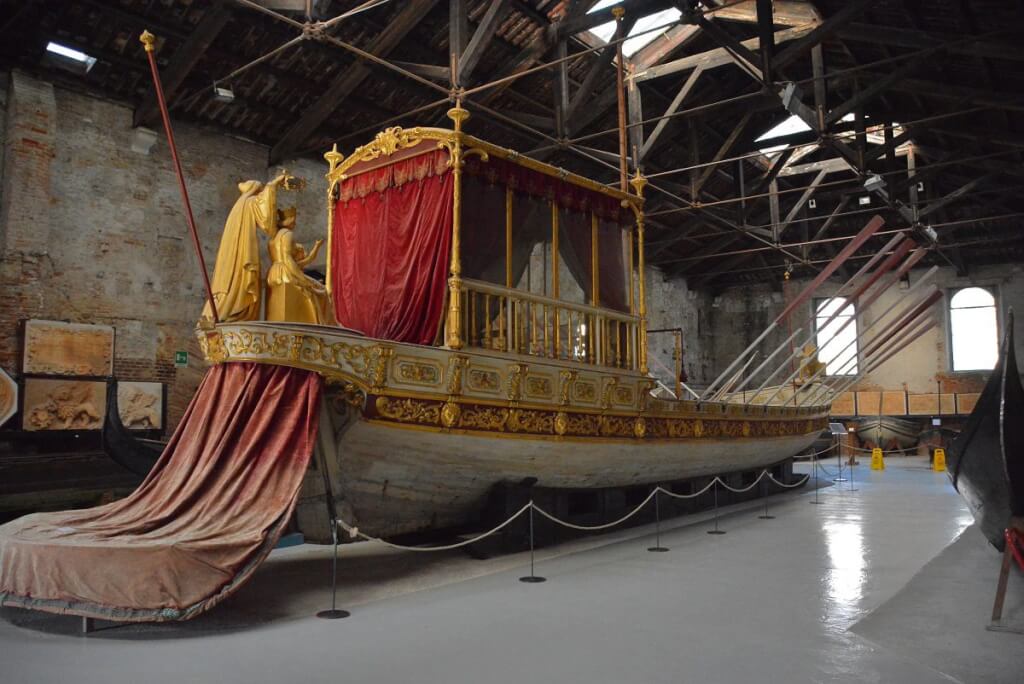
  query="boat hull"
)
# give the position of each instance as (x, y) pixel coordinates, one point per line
(888, 433)
(986, 461)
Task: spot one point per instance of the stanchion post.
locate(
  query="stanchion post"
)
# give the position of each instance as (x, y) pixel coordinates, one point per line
(853, 462)
(334, 613)
(764, 493)
(716, 530)
(814, 467)
(839, 461)
(532, 578)
(657, 548)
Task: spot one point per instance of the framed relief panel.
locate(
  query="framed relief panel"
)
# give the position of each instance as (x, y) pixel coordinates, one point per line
(58, 348)
(63, 404)
(141, 405)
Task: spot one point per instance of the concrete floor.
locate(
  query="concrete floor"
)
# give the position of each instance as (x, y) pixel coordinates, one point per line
(770, 601)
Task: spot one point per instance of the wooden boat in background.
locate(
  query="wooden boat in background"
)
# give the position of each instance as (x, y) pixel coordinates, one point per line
(133, 453)
(986, 462)
(888, 433)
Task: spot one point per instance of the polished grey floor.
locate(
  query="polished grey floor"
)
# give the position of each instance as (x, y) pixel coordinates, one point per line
(770, 601)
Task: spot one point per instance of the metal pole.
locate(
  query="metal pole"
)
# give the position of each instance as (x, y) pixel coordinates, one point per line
(657, 548)
(532, 578)
(619, 13)
(764, 493)
(716, 530)
(148, 40)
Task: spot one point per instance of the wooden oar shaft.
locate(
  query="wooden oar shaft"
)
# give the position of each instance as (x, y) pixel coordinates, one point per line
(147, 40)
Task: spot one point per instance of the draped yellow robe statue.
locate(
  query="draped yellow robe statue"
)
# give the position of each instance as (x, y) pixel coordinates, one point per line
(236, 275)
(291, 294)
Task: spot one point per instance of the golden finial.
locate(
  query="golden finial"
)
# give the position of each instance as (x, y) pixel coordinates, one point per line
(333, 157)
(148, 40)
(618, 12)
(639, 183)
(458, 115)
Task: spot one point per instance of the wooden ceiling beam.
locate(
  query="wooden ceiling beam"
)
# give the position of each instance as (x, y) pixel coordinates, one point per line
(482, 36)
(347, 81)
(907, 38)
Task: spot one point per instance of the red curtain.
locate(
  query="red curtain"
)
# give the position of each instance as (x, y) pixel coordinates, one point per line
(204, 519)
(390, 249)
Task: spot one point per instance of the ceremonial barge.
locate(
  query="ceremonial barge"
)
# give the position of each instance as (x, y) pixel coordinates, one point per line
(452, 365)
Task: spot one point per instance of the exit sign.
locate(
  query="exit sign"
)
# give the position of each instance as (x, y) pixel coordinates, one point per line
(180, 359)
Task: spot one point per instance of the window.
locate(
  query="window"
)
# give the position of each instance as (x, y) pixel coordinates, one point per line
(69, 58)
(973, 329)
(606, 32)
(836, 336)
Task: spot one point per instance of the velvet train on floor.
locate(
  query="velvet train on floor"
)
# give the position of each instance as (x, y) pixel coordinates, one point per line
(207, 515)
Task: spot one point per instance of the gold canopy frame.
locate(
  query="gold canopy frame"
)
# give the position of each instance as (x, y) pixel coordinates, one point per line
(624, 344)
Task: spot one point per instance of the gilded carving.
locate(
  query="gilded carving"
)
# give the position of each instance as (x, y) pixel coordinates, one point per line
(456, 366)
(639, 427)
(568, 377)
(538, 387)
(617, 426)
(561, 423)
(746, 428)
(378, 375)
(585, 391)
(484, 380)
(624, 395)
(609, 388)
(645, 394)
(588, 424)
(387, 142)
(409, 410)
(450, 414)
(418, 373)
(698, 427)
(292, 346)
(489, 418)
(524, 420)
(515, 381)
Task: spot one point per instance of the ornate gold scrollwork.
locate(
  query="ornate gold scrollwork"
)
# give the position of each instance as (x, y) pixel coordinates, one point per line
(639, 427)
(484, 380)
(609, 388)
(450, 413)
(409, 410)
(516, 372)
(561, 423)
(568, 378)
(377, 373)
(456, 365)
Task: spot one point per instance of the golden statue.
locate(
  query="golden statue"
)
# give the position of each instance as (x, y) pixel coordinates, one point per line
(237, 273)
(810, 366)
(291, 294)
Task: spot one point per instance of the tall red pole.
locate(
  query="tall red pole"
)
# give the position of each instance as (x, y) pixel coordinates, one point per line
(148, 39)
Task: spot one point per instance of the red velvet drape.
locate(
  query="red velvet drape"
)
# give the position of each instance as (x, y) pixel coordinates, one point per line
(390, 249)
(207, 515)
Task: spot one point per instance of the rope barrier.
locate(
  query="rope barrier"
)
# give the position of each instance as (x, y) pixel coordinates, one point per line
(354, 532)
(891, 451)
(594, 528)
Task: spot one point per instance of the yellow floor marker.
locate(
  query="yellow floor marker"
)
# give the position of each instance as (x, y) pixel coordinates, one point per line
(877, 462)
(939, 461)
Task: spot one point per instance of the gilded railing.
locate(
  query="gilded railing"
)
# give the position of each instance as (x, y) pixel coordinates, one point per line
(509, 320)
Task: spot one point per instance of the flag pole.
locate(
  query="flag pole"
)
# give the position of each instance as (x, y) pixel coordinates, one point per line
(148, 40)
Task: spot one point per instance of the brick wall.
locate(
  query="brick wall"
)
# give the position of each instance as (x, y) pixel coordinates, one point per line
(93, 232)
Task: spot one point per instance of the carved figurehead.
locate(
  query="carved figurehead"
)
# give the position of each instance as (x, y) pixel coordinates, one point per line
(237, 273)
(291, 294)
(810, 367)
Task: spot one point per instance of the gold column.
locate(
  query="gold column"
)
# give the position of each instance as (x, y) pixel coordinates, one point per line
(334, 158)
(638, 183)
(454, 332)
(508, 237)
(632, 285)
(554, 250)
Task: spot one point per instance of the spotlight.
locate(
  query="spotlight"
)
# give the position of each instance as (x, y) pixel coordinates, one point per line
(223, 94)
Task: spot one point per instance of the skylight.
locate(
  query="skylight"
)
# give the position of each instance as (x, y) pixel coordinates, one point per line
(606, 32)
(71, 57)
(793, 124)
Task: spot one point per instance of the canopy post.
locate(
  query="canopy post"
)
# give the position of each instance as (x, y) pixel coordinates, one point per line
(453, 338)
(638, 183)
(595, 263)
(333, 158)
(508, 237)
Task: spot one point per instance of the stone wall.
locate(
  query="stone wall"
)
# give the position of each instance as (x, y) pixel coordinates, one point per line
(92, 230)
(739, 314)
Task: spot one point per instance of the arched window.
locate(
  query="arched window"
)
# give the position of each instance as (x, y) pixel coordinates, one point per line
(973, 329)
(836, 338)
